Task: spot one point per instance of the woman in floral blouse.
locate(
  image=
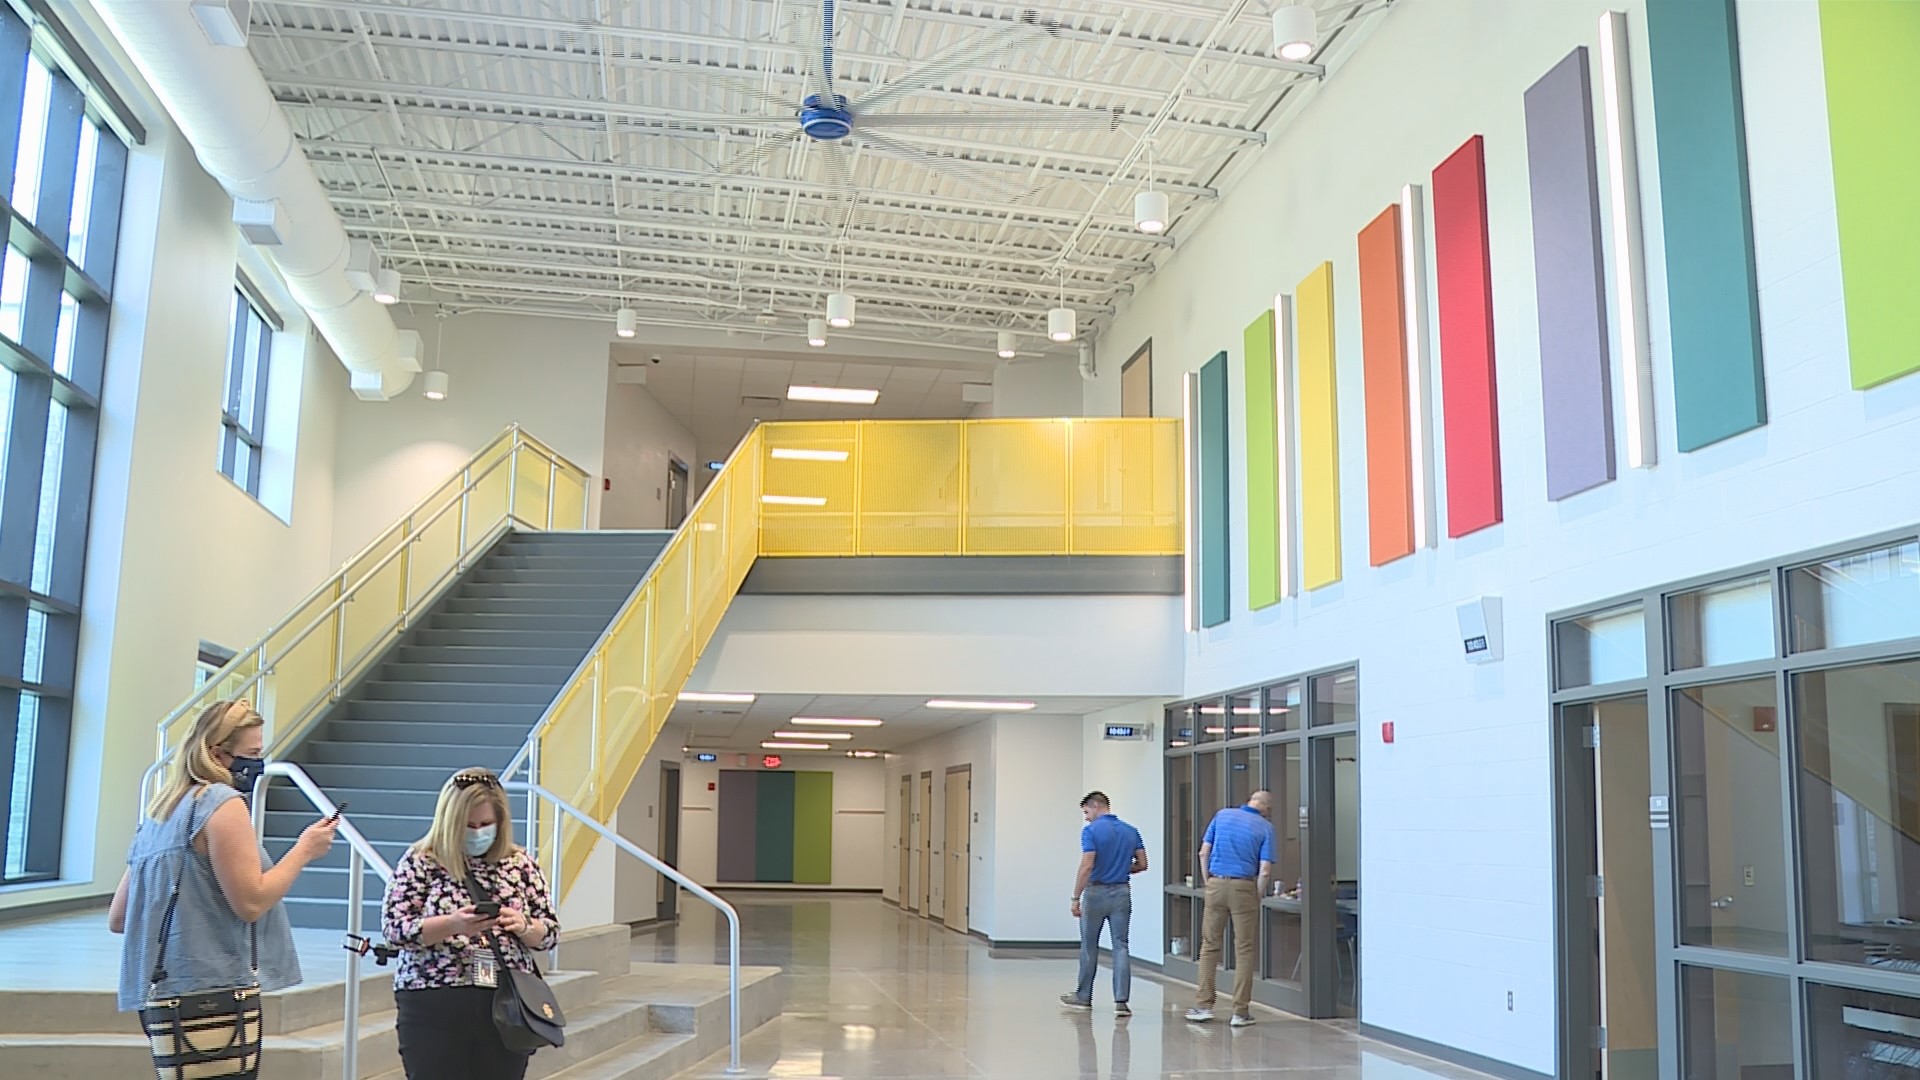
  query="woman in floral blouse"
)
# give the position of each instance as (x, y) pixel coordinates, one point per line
(447, 973)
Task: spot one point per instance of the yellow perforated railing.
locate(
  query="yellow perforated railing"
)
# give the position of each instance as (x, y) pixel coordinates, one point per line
(844, 488)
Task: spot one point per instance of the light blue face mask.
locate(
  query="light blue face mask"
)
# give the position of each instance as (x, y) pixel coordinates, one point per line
(480, 841)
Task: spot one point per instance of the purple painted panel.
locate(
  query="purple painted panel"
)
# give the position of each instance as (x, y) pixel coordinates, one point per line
(738, 825)
(1576, 393)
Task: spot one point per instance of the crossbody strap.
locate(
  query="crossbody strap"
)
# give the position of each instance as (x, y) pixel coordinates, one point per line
(482, 895)
(173, 905)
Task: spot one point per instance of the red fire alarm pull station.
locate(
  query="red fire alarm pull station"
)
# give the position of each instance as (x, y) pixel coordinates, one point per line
(711, 785)
(1386, 732)
(606, 483)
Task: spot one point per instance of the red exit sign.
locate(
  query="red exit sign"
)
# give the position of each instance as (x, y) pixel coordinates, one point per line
(771, 761)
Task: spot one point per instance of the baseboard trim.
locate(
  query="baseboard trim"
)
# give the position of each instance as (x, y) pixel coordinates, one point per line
(783, 887)
(1450, 1055)
(1138, 964)
(49, 908)
(1034, 946)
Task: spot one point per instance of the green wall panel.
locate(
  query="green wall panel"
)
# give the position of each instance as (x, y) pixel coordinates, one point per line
(1719, 389)
(813, 828)
(1872, 53)
(1263, 464)
(1216, 549)
(773, 828)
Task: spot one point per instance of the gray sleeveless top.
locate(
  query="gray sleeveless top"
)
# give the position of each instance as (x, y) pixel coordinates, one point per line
(207, 949)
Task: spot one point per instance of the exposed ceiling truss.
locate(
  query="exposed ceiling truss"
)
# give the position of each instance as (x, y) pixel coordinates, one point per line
(574, 156)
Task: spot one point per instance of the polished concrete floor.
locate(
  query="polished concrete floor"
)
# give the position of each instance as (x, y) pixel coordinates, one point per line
(874, 993)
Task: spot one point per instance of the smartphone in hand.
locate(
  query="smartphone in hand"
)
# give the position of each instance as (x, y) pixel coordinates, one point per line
(337, 811)
(489, 909)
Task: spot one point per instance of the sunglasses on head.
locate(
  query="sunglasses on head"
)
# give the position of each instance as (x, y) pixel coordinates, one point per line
(468, 779)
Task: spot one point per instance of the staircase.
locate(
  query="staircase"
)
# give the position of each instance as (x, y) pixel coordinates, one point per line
(463, 687)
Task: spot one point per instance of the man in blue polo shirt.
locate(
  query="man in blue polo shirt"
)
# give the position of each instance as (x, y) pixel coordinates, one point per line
(1236, 858)
(1110, 852)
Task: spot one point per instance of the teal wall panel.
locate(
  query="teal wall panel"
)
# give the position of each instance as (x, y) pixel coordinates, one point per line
(773, 831)
(1216, 551)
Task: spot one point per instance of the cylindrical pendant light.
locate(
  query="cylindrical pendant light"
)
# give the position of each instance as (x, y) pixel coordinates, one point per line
(840, 310)
(1060, 324)
(817, 333)
(1150, 211)
(435, 385)
(386, 285)
(1009, 348)
(626, 322)
(1295, 34)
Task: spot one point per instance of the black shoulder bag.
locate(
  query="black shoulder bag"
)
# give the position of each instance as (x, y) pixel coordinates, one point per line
(212, 1034)
(524, 1008)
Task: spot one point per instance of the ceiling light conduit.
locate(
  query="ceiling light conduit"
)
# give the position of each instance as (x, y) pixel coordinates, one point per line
(241, 135)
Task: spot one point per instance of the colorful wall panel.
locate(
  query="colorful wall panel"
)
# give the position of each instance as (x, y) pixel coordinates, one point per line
(775, 827)
(1872, 54)
(1719, 389)
(1383, 348)
(1216, 552)
(1319, 431)
(1265, 520)
(1469, 402)
(1576, 387)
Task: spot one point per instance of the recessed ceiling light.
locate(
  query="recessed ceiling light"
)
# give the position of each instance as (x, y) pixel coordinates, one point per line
(793, 500)
(702, 696)
(794, 453)
(980, 706)
(825, 721)
(776, 744)
(833, 395)
(835, 736)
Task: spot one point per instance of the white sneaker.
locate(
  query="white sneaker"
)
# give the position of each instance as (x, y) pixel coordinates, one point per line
(1242, 1020)
(1199, 1016)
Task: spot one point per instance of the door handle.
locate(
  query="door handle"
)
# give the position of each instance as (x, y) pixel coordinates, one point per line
(1722, 904)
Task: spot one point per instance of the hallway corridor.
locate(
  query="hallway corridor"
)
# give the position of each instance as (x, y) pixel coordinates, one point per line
(874, 993)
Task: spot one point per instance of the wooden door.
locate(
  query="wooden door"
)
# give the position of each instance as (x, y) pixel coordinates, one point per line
(925, 906)
(904, 845)
(959, 846)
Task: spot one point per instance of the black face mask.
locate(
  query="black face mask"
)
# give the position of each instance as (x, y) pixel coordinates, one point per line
(246, 771)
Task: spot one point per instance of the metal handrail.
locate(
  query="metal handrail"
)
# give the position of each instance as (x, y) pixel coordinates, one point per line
(361, 858)
(515, 439)
(623, 844)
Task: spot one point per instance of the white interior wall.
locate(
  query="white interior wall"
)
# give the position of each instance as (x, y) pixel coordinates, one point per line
(1456, 844)
(641, 438)
(859, 787)
(178, 554)
(1037, 823)
(972, 745)
(1133, 774)
(1043, 386)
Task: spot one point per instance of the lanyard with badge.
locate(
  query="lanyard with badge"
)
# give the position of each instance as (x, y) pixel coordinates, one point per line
(485, 962)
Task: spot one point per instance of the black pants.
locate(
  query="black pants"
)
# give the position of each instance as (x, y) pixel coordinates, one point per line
(448, 1034)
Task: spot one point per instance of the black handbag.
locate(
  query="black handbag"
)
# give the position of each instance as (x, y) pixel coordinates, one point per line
(215, 1034)
(525, 1011)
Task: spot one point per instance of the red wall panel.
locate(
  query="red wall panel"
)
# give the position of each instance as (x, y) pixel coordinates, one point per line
(1469, 401)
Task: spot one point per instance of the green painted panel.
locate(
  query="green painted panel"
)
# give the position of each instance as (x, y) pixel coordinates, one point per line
(1216, 548)
(1872, 53)
(1719, 389)
(1263, 464)
(773, 828)
(813, 828)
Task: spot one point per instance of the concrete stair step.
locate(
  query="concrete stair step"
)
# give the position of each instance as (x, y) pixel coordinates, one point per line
(338, 857)
(450, 756)
(589, 624)
(597, 592)
(483, 656)
(653, 1056)
(392, 732)
(504, 636)
(379, 828)
(537, 671)
(608, 577)
(415, 779)
(604, 606)
(525, 686)
(427, 712)
(71, 1012)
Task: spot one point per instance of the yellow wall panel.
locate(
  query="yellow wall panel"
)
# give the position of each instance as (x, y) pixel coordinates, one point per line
(1319, 431)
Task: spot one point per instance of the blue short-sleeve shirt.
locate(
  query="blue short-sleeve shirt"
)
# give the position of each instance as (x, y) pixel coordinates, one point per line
(1241, 840)
(1113, 843)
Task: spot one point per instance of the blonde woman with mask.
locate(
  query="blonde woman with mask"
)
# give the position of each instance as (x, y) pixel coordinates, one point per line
(200, 904)
(448, 971)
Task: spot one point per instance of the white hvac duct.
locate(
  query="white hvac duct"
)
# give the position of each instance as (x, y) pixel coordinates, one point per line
(222, 104)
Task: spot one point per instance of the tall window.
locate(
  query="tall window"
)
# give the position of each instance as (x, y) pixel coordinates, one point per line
(61, 202)
(243, 418)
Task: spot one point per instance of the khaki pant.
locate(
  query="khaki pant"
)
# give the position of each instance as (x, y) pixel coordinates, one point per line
(1241, 900)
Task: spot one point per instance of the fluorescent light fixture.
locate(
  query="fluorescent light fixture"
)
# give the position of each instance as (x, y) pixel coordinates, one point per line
(1178, 743)
(626, 322)
(833, 395)
(386, 285)
(704, 697)
(1283, 435)
(793, 500)
(778, 744)
(825, 721)
(1216, 731)
(839, 310)
(1294, 32)
(1150, 211)
(223, 21)
(1246, 731)
(1060, 324)
(980, 706)
(863, 753)
(834, 736)
(795, 453)
(434, 386)
(1413, 281)
(1009, 346)
(817, 333)
(1629, 255)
